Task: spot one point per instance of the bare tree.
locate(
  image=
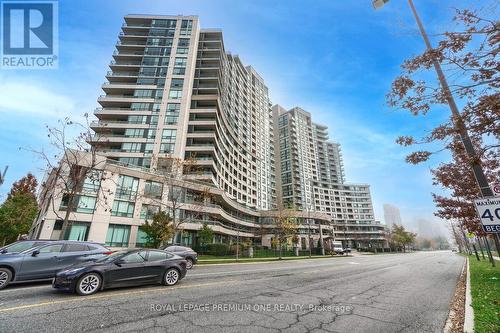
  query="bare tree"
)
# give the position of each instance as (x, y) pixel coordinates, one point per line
(73, 168)
(174, 173)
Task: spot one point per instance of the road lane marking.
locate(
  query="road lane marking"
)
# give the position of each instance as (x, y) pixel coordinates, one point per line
(13, 287)
(109, 295)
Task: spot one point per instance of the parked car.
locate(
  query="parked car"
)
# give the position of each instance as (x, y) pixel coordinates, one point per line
(22, 245)
(42, 262)
(186, 252)
(337, 247)
(347, 250)
(120, 269)
(338, 250)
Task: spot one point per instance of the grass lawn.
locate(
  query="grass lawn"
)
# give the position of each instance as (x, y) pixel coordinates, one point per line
(485, 290)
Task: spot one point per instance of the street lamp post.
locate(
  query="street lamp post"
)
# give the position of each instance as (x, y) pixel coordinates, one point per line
(2, 175)
(309, 233)
(457, 118)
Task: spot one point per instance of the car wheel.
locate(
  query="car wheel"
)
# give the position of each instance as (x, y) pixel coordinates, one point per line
(189, 263)
(5, 277)
(88, 284)
(171, 277)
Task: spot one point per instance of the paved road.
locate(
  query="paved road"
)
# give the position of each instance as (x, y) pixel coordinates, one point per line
(383, 293)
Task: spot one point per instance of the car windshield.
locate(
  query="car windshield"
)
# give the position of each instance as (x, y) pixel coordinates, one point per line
(20, 246)
(111, 257)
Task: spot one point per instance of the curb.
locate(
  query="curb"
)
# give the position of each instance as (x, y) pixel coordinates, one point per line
(469, 311)
(252, 262)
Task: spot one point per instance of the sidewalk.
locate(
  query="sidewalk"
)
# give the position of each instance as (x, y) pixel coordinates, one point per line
(202, 261)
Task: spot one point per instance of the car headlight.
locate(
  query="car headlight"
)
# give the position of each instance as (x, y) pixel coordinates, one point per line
(72, 270)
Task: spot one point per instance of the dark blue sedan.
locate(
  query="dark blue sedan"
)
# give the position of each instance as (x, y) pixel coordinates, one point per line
(121, 269)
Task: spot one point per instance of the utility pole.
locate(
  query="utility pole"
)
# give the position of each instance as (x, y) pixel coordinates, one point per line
(458, 122)
(309, 236)
(457, 118)
(237, 243)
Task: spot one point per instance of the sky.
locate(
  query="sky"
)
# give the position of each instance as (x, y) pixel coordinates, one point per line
(333, 58)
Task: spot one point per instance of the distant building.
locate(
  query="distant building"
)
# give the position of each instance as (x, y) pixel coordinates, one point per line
(392, 215)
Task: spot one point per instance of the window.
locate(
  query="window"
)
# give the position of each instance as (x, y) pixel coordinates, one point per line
(143, 93)
(127, 187)
(92, 182)
(153, 189)
(167, 148)
(157, 256)
(118, 235)
(140, 106)
(180, 62)
(183, 42)
(177, 83)
(131, 147)
(51, 248)
(180, 66)
(148, 148)
(172, 114)
(137, 119)
(75, 248)
(134, 258)
(81, 203)
(142, 238)
(182, 50)
(166, 23)
(186, 27)
(79, 231)
(175, 94)
(168, 135)
(148, 211)
(134, 133)
(58, 225)
(122, 208)
(159, 94)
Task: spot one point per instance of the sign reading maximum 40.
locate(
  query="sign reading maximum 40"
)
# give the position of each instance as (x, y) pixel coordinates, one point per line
(489, 213)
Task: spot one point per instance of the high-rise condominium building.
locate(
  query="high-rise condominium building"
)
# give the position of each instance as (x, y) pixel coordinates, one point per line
(173, 93)
(392, 215)
(312, 178)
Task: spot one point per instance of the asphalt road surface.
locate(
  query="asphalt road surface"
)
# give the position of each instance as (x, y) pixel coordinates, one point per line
(382, 293)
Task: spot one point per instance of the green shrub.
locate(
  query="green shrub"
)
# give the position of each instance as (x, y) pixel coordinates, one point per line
(217, 249)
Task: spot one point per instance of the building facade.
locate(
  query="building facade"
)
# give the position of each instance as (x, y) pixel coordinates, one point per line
(312, 178)
(174, 95)
(392, 215)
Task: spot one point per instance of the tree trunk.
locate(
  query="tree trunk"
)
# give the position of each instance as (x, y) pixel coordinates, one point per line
(497, 243)
(475, 251)
(481, 247)
(66, 223)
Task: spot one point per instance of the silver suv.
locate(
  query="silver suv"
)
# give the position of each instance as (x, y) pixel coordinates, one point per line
(42, 262)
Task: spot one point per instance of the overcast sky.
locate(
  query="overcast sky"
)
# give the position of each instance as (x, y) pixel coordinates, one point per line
(335, 59)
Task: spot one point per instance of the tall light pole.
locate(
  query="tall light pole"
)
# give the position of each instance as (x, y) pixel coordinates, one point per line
(2, 175)
(457, 118)
(309, 234)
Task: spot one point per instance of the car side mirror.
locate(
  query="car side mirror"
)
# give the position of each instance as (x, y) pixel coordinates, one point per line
(4, 251)
(35, 253)
(119, 263)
